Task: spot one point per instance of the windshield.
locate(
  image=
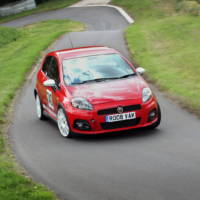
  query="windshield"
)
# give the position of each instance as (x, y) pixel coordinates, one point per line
(95, 68)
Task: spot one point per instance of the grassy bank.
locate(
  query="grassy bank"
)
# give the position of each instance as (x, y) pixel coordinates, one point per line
(166, 43)
(45, 6)
(19, 50)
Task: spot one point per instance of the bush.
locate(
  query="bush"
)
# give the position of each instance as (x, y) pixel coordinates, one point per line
(188, 0)
(39, 1)
(8, 35)
(191, 6)
(4, 2)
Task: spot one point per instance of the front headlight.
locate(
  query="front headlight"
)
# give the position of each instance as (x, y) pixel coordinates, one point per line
(146, 94)
(81, 103)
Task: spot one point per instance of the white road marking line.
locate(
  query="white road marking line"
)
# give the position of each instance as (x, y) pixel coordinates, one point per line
(120, 10)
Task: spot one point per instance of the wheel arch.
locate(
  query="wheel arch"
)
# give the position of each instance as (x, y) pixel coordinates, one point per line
(35, 92)
(61, 106)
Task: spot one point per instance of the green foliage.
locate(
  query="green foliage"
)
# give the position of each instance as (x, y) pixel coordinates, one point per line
(4, 2)
(16, 187)
(189, 0)
(145, 9)
(39, 1)
(17, 58)
(2, 147)
(192, 7)
(8, 35)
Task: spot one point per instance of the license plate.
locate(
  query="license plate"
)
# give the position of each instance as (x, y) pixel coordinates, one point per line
(120, 117)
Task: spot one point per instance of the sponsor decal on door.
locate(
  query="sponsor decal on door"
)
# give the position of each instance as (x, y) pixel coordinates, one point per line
(50, 99)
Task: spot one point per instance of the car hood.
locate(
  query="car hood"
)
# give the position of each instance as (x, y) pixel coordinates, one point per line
(108, 91)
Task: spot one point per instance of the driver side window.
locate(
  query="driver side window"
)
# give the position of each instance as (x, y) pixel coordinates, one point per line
(46, 64)
(50, 68)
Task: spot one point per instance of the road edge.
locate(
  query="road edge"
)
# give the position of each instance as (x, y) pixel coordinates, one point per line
(128, 18)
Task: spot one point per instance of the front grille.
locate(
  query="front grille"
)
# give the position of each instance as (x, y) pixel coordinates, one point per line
(114, 110)
(120, 124)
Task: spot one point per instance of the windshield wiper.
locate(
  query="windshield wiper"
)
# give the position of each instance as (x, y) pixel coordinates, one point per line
(127, 75)
(105, 79)
(98, 80)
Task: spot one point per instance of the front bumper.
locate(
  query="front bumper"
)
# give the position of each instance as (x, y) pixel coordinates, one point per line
(97, 121)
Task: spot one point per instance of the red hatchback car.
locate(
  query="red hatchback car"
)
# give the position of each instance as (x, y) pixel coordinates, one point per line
(93, 90)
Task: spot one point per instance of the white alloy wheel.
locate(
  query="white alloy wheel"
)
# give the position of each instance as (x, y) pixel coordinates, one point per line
(62, 123)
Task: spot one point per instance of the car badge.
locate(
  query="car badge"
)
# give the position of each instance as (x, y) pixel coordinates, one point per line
(120, 110)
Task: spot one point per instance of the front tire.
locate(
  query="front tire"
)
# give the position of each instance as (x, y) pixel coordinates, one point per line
(63, 124)
(39, 108)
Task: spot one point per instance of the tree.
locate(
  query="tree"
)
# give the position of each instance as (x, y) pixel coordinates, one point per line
(4, 2)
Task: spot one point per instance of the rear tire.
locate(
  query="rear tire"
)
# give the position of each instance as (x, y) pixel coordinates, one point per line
(157, 123)
(39, 108)
(63, 124)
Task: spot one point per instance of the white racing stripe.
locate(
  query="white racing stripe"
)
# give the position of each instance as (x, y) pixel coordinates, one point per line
(49, 110)
(84, 49)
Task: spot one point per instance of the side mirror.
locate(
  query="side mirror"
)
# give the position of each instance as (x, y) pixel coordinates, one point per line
(49, 83)
(140, 70)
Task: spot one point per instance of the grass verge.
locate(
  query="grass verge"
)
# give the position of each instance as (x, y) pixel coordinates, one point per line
(166, 43)
(18, 54)
(45, 6)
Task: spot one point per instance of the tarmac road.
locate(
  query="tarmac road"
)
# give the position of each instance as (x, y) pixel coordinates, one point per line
(163, 164)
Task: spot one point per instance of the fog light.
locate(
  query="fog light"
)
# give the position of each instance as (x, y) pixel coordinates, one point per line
(82, 125)
(152, 115)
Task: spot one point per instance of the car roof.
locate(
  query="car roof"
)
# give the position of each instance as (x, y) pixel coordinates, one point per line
(83, 51)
